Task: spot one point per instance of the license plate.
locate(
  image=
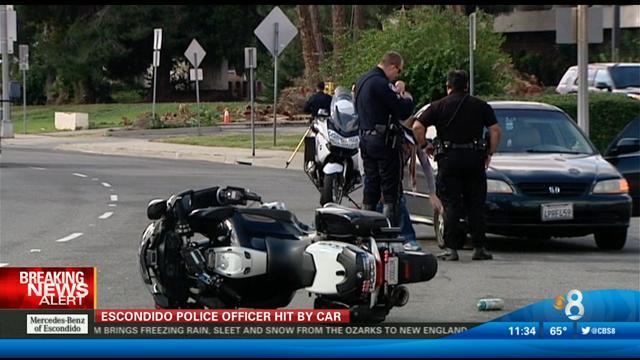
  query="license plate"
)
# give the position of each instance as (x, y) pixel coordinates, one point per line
(552, 212)
(391, 271)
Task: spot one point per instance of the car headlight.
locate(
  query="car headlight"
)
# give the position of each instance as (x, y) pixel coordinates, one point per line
(612, 186)
(498, 186)
(337, 140)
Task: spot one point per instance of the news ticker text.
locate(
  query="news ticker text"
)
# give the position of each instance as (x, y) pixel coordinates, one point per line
(87, 324)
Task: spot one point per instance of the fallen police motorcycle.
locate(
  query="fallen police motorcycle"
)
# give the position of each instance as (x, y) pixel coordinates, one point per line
(333, 165)
(204, 250)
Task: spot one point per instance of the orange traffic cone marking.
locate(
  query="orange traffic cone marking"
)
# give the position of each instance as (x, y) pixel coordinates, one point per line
(226, 117)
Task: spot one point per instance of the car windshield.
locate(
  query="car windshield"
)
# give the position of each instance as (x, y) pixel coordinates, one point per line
(540, 131)
(625, 76)
(343, 114)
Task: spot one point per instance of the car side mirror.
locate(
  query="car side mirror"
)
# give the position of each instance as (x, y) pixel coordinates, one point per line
(627, 145)
(603, 86)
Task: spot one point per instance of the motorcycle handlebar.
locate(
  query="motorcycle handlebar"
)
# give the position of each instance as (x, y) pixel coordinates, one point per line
(236, 196)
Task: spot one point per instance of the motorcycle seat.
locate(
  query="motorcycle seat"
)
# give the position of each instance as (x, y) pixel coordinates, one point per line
(343, 222)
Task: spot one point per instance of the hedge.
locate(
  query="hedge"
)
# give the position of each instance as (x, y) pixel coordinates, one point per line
(608, 113)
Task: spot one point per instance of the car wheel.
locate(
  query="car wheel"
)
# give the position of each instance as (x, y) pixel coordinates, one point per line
(613, 239)
(438, 227)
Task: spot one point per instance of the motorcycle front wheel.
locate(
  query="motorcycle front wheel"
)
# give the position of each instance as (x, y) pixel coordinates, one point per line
(332, 189)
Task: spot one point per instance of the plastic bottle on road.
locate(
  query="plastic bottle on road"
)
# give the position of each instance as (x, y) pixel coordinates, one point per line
(490, 304)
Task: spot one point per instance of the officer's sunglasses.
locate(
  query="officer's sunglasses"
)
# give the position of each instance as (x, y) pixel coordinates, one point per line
(399, 68)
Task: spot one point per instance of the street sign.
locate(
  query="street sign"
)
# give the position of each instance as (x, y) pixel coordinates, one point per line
(192, 75)
(157, 39)
(566, 25)
(24, 57)
(276, 31)
(286, 31)
(156, 58)
(250, 58)
(195, 53)
(12, 28)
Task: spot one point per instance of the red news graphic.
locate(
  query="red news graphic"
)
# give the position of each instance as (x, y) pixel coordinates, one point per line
(48, 288)
(223, 316)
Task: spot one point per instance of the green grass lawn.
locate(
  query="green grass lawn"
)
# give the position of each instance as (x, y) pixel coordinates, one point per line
(40, 118)
(284, 142)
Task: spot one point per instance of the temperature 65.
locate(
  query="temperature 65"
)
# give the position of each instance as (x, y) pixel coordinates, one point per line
(557, 330)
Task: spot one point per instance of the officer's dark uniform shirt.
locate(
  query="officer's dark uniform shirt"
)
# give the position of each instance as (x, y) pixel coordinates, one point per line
(473, 116)
(317, 101)
(376, 100)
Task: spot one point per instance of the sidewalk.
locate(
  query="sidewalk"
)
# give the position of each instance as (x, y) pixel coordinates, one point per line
(96, 143)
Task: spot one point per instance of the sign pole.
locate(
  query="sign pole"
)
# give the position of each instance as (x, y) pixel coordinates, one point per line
(24, 99)
(275, 79)
(253, 129)
(7, 125)
(195, 56)
(153, 107)
(24, 66)
(583, 53)
(157, 45)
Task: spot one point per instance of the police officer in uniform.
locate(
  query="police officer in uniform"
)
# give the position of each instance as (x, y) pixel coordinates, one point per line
(380, 109)
(317, 101)
(463, 157)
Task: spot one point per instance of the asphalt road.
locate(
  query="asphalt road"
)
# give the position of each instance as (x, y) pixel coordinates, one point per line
(61, 209)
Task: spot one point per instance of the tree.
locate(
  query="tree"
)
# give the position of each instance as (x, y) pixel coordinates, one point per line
(358, 21)
(427, 61)
(338, 19)
(316, 30)
(306, 36)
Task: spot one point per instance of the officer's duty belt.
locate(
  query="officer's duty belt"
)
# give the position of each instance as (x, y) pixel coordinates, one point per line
(370, 132)
(471, 145)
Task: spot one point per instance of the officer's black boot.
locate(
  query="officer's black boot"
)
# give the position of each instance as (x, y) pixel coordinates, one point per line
(392, 212)
(449, 255)
(479, 253)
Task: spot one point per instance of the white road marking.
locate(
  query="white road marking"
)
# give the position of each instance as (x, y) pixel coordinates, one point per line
(80, 175)
(35, 250)
(37, 168)
(113, 205)
(114, 197)
(106, 184)
(70, 237)
(3, 264)
(94, 179)
(106, 215)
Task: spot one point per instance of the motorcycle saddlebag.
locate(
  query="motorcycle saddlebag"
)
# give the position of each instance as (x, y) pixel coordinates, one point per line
(416, 266)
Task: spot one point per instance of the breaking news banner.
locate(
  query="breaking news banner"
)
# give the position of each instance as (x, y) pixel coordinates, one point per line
(48, 288)
(38, 305)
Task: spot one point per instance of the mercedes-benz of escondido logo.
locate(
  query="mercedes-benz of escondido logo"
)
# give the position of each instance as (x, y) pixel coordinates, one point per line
(554, 190)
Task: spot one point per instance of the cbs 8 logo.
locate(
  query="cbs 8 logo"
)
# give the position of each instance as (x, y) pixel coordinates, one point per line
(574, 300)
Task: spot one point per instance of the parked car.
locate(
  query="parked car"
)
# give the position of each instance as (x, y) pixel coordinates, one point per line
(611, 77)
(545, 180)
(624, 154)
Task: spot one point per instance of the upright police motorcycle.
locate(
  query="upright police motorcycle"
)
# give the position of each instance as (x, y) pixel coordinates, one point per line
(204, 250)
(334, 166)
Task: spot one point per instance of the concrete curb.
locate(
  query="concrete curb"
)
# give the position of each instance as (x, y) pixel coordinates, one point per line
(141, 148)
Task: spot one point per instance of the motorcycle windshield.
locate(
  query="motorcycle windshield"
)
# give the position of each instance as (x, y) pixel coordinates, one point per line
(343, 118)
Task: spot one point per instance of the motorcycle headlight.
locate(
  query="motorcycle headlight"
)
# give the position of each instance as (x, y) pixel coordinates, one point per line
(337, 140)
(612, 186)
(498, 186)
(229, 263)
